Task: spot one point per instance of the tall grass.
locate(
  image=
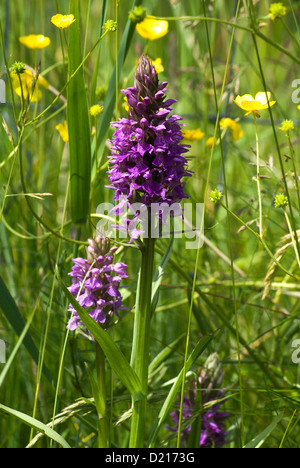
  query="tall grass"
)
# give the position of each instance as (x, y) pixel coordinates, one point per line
(236, 297)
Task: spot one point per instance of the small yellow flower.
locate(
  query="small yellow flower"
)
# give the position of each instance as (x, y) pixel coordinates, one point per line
(62, 21)
(193, 135)
(251, 104)
(287, 126)
(96, 110)
(277, 10)
(63, 131)
(234, 126)
(152, 29)
(211, 142)
(35, 41)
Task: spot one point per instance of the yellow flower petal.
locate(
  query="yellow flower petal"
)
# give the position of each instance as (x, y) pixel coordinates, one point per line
(251, 104)
(193, 135)
(263, 97)
(152, 29)
(33, 95)
(157, 63)
(35, 41)
(211, 142)
(234, 126)
(62, 21)
(30, 85)
(63, 131)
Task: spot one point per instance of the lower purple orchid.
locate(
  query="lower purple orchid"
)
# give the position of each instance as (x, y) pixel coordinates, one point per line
(96, 282)
(213, 433)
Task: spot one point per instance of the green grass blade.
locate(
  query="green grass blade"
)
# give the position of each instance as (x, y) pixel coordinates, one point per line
(165, 354)
(260, 438)
(15, 350)
(110, 99)
(165, 410)
(96, 70)
(14, 317)
(79, 127)
(115, 357)
(35, 424)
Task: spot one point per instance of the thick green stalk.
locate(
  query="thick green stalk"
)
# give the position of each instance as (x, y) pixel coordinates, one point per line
(141, 340)
(101, 400)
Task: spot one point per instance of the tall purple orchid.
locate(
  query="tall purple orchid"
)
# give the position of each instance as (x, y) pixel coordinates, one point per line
(147, 168)
(147, 165)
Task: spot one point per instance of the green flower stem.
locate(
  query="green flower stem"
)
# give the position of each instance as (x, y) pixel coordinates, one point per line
(258, 179)
(141, 342)
(101, 400)
(292, 236)
(294, 168)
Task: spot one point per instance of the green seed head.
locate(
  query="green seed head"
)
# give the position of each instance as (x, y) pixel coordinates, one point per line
(215, 196)
(18, 68)
(281, 200)
(137, 15)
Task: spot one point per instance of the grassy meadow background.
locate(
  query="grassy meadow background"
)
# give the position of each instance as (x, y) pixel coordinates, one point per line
(207, 64)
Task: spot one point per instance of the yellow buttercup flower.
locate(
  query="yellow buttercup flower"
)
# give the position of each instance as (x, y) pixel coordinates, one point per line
(35, 41)
(63, 131)
(62, 21)
(193, 135)
(251, 104)
(277, 10)
(234, 126)
(152, 29)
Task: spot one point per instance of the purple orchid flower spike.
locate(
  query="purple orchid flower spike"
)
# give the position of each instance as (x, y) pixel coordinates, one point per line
(213, 433)
(96, 283)
(147, 163)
